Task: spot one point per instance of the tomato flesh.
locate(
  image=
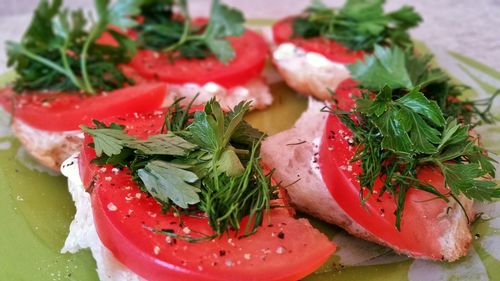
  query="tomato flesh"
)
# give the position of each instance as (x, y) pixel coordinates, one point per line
(250, 49)
(63, 111)
(283, 32)
(420, 224)
(283, 248)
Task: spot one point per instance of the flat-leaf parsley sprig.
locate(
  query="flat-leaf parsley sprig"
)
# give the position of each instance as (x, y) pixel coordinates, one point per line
(206, 161)
(164, 30)
(358, 25)
(399, 128)
(59, 51)
(404, 69)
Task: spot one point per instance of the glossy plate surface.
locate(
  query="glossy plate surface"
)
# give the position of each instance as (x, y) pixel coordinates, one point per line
(36, 210)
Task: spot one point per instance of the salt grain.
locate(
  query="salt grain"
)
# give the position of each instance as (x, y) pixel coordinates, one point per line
(280, 250)
(112, 207)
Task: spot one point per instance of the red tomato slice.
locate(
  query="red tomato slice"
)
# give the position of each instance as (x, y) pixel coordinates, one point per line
(66, 111)
(251, 53)
(283, 32)
(420, 225)
(284, 248)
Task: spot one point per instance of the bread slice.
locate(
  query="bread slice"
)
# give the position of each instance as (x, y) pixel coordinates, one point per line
(49, 148)
(297, 168)
(308, 73)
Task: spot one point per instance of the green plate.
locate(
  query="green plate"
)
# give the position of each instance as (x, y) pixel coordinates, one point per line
(36, 210)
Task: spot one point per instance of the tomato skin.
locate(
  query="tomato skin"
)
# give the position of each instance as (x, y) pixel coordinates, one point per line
(283, 32)
(67, 111)
(251, 53)
(420, 224)
(122, 214)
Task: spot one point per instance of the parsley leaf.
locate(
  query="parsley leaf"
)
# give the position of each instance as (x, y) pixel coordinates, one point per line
(162, 144)
(108, 140)
(162, 30)
(403, 70)
(407, 124)
(167, 181)
(359, 25)
(385, 67)
(59, 51)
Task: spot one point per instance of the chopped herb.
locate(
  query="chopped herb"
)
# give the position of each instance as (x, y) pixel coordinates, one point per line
(203, 161)
(404, 121)
(59, 51)
(164, 30)
(359, 24)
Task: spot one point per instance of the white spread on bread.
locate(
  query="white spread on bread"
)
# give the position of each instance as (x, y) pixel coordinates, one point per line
(308, 73)
(255, 90)
(82, 231)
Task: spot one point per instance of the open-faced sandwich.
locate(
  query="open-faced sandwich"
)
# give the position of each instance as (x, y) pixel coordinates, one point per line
(65, 78)
(314, 48)
(182, 195)
(393, 160)
(215, 56)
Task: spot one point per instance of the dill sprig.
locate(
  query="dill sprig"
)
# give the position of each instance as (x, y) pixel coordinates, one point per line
(204, 161)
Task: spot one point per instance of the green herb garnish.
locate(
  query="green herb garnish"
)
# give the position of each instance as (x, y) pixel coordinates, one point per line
(359, 24)
(59, 51)
(163, 30)
(400, 126)
(403, 70)
(207, 162)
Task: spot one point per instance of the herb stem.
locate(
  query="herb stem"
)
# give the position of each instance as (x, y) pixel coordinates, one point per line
(69, 72)
(83, 61)
(44, 61)
(185, 32)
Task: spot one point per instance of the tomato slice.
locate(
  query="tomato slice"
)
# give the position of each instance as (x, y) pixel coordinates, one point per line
(66, 111)
(420, 225)
(283, 32)
(283, 248)
(251, 53)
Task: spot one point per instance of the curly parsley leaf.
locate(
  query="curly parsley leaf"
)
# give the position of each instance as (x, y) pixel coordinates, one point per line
(359, 25)
(59, 51)
(162, 30)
